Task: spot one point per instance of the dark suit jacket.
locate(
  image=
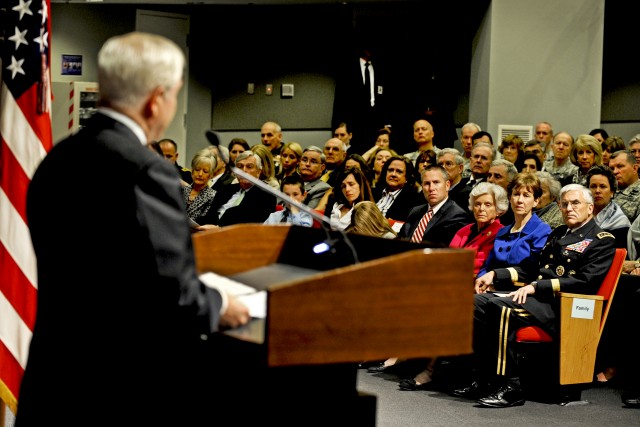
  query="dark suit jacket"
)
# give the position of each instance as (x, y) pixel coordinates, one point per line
(255, 207)
(120, 306)
(352, 103)
(406, 200)
(460, 194)
(441, 228)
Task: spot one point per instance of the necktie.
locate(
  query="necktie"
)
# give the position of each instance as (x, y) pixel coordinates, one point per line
(367, 79)
(417, 235)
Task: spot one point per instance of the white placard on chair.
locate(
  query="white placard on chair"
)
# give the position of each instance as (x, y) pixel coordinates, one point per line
(583, 308)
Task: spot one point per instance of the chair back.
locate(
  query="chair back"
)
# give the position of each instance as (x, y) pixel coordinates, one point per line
(610, 283)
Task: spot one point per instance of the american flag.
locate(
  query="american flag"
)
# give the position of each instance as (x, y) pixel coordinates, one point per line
(25, 132)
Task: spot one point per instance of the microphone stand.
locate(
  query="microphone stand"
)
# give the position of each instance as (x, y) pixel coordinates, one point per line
(325, 222)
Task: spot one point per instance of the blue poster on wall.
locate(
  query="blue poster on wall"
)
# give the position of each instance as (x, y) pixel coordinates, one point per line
(71, 65)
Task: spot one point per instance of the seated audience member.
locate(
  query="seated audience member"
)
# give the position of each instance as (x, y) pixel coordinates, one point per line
(367, 220)
(610, 146)
(289, 160)
(424, 159)
(607, 213)
(531, 163)
(520, 243)
(538, 148)
(293, 187)
(335, 152)
(512, 149)
(482, 154)
(398, 195)
(237, 146)
(169, 150)
(575, 259)
(241, 202)
(634, 148)
(561, 166)
(351, 187)
(423, 135)
(466, 134)
(586, 152)
(383, 140)
(355, 160)
(268, 173)
(377, 161)
(344, 134)
(600, 134)
(311, 168)
(487, 201)
(548, 209)
(198, 196)
(502, 172)
(453, 162)
(437, 221)
(624, 167)
(222, 174)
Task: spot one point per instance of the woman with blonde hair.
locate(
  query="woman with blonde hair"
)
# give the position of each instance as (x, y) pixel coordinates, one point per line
(586, 152)
(367, 219)
(268, 174)
(289, 158)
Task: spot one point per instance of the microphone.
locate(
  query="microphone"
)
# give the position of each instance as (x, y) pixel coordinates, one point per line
(329, 244)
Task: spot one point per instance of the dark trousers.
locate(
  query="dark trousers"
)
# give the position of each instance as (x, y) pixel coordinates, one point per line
(496, 321)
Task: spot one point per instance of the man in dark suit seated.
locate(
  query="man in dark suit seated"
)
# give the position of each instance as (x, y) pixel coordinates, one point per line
(575, 259)
(241, 202)
(437, 221)
(453, 162)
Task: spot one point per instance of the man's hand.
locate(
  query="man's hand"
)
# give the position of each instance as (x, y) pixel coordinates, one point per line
(520, 296)
(485, 283)
(237, 314)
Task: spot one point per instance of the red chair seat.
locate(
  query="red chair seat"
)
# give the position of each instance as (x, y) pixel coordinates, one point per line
(532, 334)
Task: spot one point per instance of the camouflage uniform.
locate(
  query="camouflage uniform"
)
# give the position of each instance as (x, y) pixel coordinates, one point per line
(629, 200)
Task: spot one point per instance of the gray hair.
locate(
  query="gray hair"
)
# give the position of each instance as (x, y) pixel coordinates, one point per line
(316, 149)
(471, 125)
(204, 156)
(248, 153)
(456, 154)
(511, 169)
(132, 65)
(586, 193)
(485, 144)
(551, 182)
(631, 159)
(634, 139)
(499, 196)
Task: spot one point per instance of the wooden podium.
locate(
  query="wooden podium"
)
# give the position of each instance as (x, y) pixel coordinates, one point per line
(363, 299)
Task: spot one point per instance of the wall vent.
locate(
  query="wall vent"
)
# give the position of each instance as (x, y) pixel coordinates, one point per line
(524, 132)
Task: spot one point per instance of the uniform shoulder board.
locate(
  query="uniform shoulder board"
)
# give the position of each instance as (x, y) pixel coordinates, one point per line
(605, 234)
(185, 169)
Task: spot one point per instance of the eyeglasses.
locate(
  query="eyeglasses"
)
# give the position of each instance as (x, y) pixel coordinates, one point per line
(575, 204)
(310, 161)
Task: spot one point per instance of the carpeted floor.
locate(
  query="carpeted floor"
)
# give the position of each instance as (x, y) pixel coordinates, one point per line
(400, 408)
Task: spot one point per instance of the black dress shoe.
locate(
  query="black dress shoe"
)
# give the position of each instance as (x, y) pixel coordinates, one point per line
(506, 396)
(410, 384)
(473, 391)
(631, 399)
(377, 369)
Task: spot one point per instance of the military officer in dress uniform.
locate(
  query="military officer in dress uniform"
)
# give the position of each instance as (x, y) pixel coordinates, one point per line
(575, 259)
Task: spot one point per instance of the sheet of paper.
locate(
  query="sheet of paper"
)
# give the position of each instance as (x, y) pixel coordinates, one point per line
(256, 303)
(219, 282)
